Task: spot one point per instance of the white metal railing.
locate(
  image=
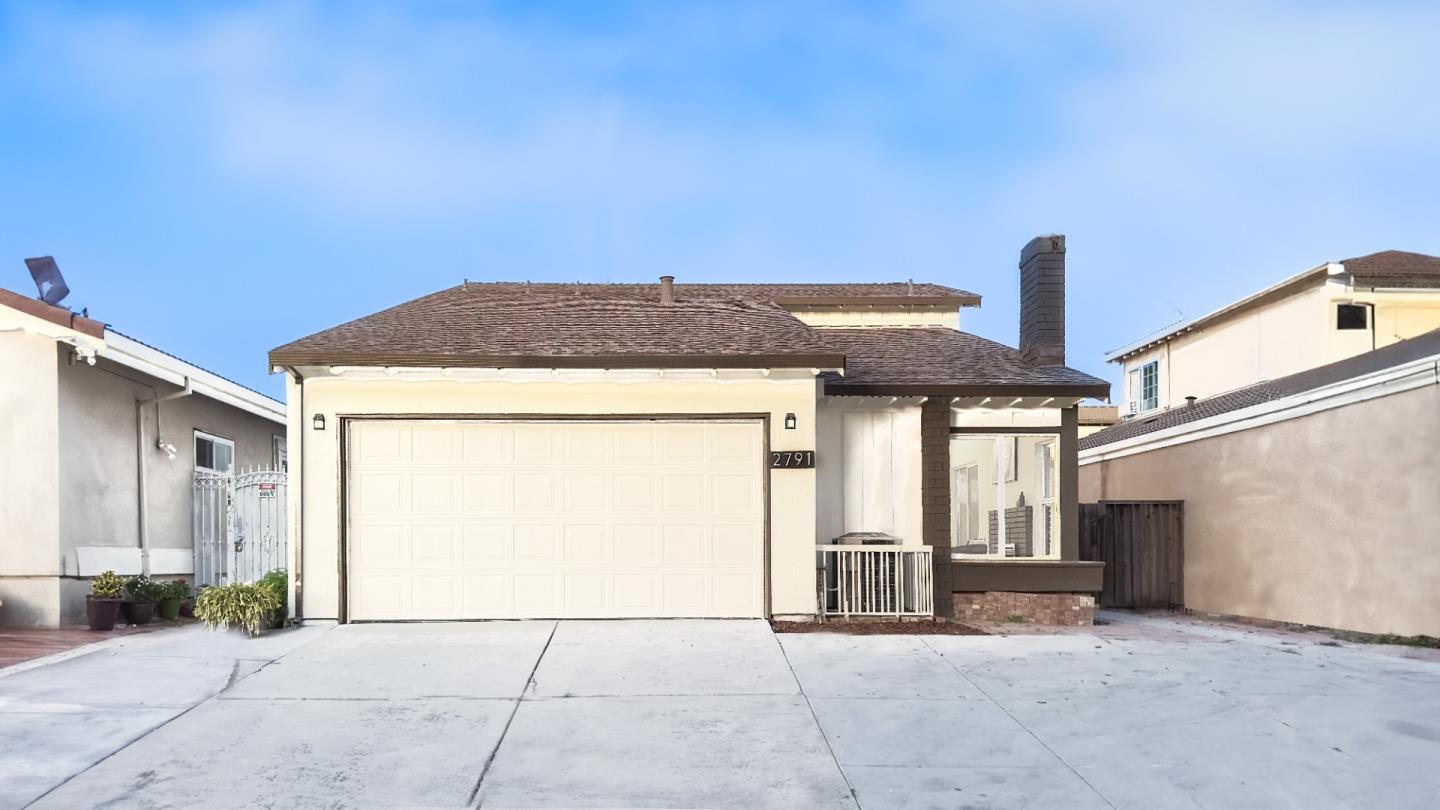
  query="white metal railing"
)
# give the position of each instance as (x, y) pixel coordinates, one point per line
(876, 581)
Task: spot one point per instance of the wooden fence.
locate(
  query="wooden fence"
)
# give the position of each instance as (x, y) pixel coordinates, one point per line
(1142, 544)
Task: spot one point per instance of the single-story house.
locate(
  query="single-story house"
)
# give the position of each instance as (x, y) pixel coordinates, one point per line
(100, 440)
(513, 450)
(1313, 498)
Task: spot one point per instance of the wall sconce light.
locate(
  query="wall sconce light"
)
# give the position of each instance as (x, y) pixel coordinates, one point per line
(789, 421)
(319, 421)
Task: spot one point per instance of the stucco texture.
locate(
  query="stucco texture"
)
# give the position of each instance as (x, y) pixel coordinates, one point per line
(1331, 519)
(791, 492)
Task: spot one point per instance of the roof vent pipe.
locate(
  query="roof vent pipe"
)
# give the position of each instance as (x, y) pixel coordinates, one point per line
(1189, 402)
(667, 289)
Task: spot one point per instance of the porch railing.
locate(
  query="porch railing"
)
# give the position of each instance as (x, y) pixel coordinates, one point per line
(876, 581)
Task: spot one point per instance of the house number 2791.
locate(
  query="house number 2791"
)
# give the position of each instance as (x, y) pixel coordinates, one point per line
(792, 459)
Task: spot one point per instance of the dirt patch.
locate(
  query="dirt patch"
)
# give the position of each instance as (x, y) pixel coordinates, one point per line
(880, 628)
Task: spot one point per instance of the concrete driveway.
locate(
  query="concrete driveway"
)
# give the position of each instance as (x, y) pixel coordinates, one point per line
(1142, 713)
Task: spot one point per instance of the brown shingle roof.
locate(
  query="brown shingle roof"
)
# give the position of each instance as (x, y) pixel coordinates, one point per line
(1396, 354)
(1394, 268)
(942, 361)
(902, 291)
(459, 327)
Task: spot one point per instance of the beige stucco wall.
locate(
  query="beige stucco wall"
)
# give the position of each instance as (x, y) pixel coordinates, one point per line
(792, 492)
(1331, 519)
(946, 315)
(1282, 337)
(29, 475)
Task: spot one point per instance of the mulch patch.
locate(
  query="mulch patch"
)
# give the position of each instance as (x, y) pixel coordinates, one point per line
(880, 628)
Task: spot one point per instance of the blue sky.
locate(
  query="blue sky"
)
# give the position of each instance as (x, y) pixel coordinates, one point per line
(220, 178)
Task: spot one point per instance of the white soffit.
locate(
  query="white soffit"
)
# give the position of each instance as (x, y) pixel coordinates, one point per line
(149, 360)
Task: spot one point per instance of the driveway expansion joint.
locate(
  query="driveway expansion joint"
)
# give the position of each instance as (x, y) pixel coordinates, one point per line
(474, 800)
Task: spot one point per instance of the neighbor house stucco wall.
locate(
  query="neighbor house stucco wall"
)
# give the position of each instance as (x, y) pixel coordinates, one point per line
(1272, 339)
(1327, 519)
(791, 492)
(98, 482)
(29, 475)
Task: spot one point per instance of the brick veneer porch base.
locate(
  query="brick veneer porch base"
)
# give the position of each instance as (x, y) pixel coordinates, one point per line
(1071, 609)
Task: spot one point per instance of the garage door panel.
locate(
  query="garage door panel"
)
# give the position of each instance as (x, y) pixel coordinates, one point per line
(586, 543)
(486, 544)
(456, 520)
(379, 494)
(537, 543)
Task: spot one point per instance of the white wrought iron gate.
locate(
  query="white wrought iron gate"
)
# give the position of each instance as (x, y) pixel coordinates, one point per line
(239, 526)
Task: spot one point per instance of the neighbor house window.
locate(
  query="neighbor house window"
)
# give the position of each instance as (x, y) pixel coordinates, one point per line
(1144, 388)
(214, 453)
(995, 514)
(278, 458)
(1351, 316)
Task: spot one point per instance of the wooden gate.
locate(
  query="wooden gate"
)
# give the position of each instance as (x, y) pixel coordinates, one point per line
(1142, 544)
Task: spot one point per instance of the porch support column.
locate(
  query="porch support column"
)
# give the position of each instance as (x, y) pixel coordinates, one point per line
(1070, 483)
(935, 496)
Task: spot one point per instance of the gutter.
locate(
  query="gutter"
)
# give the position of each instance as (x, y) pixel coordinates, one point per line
(140, 451)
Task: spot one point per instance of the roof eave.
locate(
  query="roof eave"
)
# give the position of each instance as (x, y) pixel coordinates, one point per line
(798, 360)
(880, 300)
(1094, 390)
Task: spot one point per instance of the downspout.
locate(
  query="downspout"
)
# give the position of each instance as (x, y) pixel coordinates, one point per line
(297, 537)
(140, 451)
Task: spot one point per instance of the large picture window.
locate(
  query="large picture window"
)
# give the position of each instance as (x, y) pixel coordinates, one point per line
(1003, 495)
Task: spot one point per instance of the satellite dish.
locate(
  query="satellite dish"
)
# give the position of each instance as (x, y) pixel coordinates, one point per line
(48, 280)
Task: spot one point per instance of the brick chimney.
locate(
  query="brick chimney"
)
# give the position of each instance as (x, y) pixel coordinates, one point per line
(1042, 301)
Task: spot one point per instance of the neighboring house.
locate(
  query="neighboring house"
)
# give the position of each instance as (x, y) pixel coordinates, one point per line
(1327, 313)
(504, 450)
(81, 431)
(1095, 418)
(1313, 498)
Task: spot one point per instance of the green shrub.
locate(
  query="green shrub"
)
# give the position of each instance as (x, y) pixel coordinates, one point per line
(238, 605)
(142, 589)
(279, 584)
(108, 585)
(174, 589)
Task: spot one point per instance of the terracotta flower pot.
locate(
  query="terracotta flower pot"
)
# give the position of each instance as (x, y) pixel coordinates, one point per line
(102, 613)
(138, 612)
(169, 609)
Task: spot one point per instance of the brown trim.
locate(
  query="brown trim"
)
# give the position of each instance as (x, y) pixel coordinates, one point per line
(840, 388)
(1005, 431)
(344, 421)
(343, 535)
(59, 316)
(433, 360)
(935, 497)
(1029, 576)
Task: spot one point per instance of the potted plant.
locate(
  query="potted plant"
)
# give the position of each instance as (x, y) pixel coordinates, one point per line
(239, 605)
(140, 594)
(278, 582)
(102, 605)
(169, 596)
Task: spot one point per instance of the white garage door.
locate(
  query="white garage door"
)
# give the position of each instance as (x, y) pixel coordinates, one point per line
(554, 519)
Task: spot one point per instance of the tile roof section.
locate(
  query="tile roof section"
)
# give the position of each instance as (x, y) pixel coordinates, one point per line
(1396, 354)
(1394, 268)
(463, 327)
(941, 361)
